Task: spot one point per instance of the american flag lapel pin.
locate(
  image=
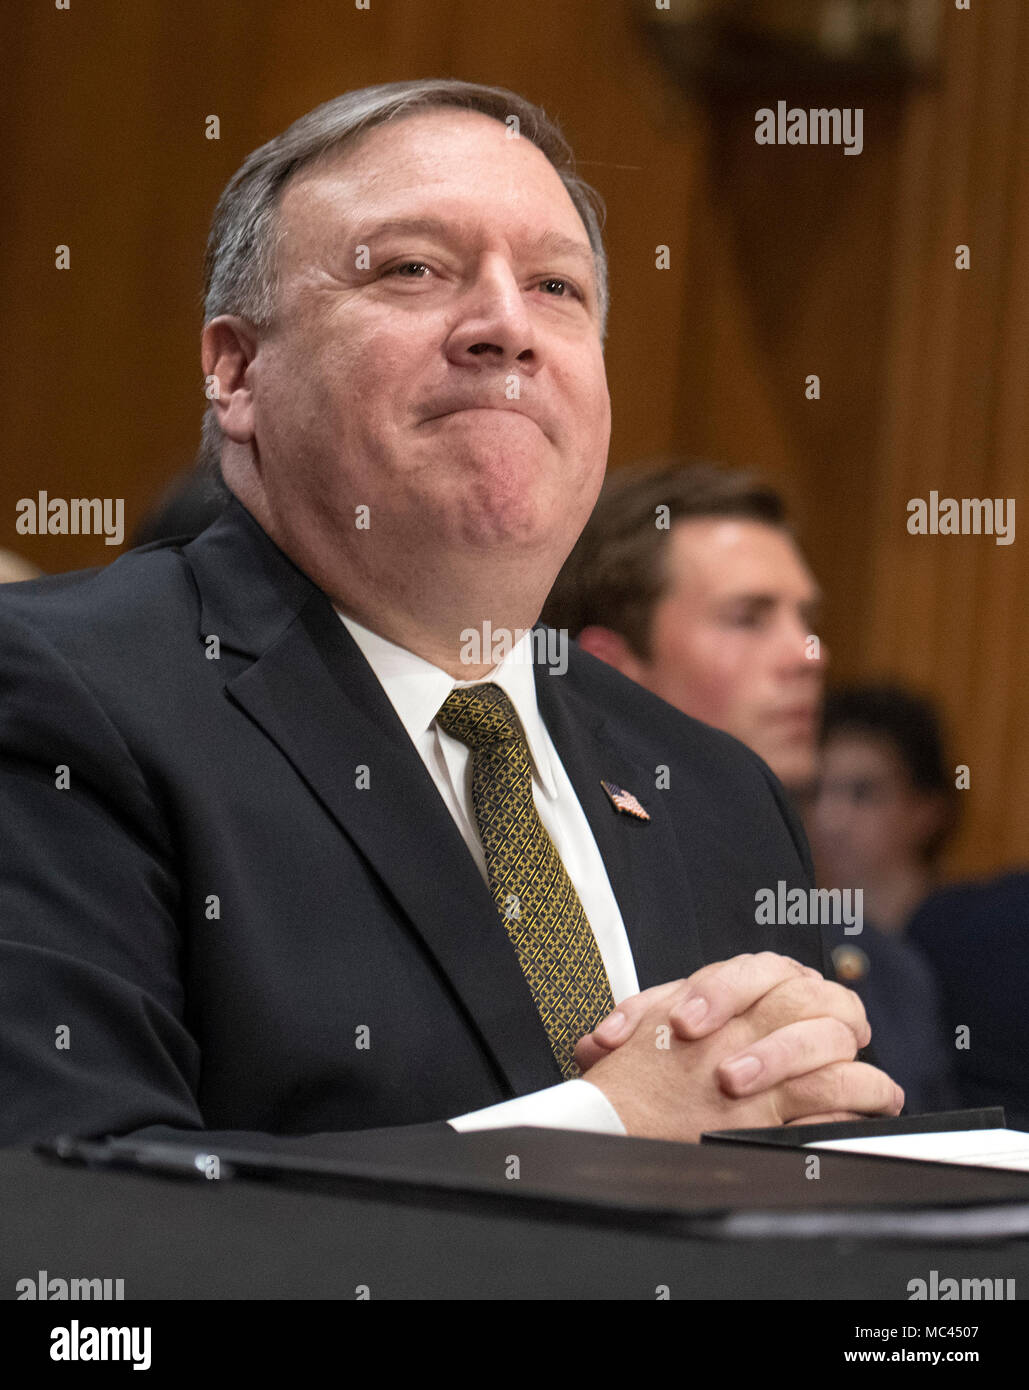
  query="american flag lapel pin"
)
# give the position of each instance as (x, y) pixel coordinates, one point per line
(624, 801)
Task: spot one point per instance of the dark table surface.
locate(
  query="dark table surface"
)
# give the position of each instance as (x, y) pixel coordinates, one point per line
(176, 1238)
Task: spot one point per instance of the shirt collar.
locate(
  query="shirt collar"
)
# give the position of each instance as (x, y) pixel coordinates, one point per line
(416, 689)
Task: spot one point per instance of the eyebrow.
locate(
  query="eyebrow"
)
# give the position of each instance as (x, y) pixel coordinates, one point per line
(549, 242)
(760, 599)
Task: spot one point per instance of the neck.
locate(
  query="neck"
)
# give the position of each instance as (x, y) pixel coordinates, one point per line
(460, 610)
(480, 647)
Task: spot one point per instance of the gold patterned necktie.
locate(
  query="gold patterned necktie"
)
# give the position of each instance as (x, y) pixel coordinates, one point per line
(536, 899)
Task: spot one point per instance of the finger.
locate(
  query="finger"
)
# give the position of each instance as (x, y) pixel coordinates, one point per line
(794, 1050)
(716, 993)
(587, 1053)
(853, 1087)
(620, 1025)
(807, 997)
(835, 1117)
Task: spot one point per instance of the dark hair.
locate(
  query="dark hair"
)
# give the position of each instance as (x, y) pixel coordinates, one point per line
(911, 725)
(187, 506)
(618, 570)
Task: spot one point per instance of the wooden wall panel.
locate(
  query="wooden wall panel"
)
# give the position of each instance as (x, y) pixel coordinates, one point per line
(783, 262)
(950, 611)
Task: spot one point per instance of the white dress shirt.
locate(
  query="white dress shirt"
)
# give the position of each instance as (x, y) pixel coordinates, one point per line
(417, 689)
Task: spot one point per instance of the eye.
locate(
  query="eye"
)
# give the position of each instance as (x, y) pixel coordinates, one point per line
(865, 792)
(745, 617)
(565, 284)
(407, 265)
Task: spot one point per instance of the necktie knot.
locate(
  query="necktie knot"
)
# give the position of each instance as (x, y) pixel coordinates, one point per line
(481, 716)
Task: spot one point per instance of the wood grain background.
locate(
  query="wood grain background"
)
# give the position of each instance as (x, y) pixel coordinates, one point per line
(784, 262)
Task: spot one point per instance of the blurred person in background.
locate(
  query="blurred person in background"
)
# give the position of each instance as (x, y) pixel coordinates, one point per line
(976, 937)
(688, 580)
(886, 802)
(884, 808)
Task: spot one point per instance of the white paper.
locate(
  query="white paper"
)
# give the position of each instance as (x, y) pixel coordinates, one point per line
(979, 1148)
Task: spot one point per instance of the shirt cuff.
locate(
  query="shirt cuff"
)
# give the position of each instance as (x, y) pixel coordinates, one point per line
(568, 1105)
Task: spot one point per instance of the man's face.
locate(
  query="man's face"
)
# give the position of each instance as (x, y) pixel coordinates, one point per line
(730, 639)
(435, 354)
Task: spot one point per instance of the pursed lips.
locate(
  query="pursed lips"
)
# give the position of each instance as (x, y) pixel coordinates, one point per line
(476, 407)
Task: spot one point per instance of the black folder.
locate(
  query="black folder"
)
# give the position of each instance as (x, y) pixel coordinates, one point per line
(759, 1186)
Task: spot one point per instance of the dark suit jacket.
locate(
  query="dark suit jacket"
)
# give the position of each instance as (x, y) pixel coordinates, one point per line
(216, 912)
(976, 938)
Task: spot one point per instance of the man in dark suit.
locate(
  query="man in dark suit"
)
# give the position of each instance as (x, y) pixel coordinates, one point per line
(976, 938)
(285, 851)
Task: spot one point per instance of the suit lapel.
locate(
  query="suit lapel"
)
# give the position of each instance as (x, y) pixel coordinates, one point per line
(310, 689)
(641, 857)
(313, 693)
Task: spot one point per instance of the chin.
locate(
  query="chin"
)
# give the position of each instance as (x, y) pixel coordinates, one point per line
(796, 771)
(517, 510)
(526, 533)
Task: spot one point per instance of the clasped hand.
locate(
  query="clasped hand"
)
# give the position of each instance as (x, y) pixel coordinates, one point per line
(752, 1041)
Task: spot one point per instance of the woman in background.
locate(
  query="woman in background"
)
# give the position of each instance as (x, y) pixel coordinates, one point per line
(883, 809)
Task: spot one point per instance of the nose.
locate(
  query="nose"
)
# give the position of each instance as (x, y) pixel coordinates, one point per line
(797, 647)
(831, 813)
(494, 327)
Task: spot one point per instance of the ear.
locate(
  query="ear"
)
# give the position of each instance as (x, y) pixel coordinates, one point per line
(227, 349)
(610, 646)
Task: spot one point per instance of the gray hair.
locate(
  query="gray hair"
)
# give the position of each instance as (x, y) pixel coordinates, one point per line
(240, 265)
